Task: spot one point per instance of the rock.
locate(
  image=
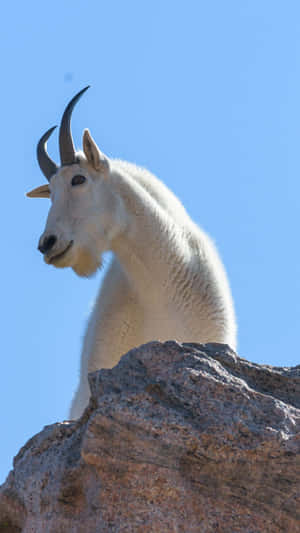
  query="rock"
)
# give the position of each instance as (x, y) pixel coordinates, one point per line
(177, 438)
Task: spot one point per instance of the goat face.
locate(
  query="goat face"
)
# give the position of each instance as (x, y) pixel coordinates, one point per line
(80, 223)
(82, 219)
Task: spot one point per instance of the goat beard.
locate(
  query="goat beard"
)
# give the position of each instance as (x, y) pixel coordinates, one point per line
(86, 263)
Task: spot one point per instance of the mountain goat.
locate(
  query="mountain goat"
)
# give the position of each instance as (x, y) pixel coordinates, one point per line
(165, 281)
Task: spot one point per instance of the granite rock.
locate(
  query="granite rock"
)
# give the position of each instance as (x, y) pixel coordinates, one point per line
(176, 438)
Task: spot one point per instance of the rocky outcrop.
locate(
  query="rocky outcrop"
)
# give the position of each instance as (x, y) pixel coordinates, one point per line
(177, 438)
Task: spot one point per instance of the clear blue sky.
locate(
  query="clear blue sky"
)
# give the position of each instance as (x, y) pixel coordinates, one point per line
(204, 94)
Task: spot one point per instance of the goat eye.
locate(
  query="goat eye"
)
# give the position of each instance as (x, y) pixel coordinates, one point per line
(78, 180)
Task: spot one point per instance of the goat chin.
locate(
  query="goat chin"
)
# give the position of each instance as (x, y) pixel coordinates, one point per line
(86, 263)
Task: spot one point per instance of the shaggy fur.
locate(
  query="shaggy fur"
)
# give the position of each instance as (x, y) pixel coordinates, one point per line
(166, 280)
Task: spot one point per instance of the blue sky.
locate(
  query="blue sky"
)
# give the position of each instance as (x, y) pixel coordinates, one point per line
(204, 94)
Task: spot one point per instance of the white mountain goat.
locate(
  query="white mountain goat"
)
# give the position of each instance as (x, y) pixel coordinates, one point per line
(165, 281)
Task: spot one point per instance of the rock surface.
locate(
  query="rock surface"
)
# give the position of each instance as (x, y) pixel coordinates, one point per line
(177, 438)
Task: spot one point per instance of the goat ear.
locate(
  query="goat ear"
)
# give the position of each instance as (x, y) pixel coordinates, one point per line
(96, 158)
(40, 192)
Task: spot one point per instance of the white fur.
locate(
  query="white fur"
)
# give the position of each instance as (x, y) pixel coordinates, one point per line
(166, 280)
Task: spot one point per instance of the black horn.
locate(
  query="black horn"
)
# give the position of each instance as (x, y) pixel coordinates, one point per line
(47, 166)
(66, 145)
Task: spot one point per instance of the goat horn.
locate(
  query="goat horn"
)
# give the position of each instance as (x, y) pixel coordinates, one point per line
(47, 166)
(66, 145)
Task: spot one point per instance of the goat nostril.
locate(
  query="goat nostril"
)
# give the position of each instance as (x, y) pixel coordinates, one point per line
(47, 244)
(50, 242)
